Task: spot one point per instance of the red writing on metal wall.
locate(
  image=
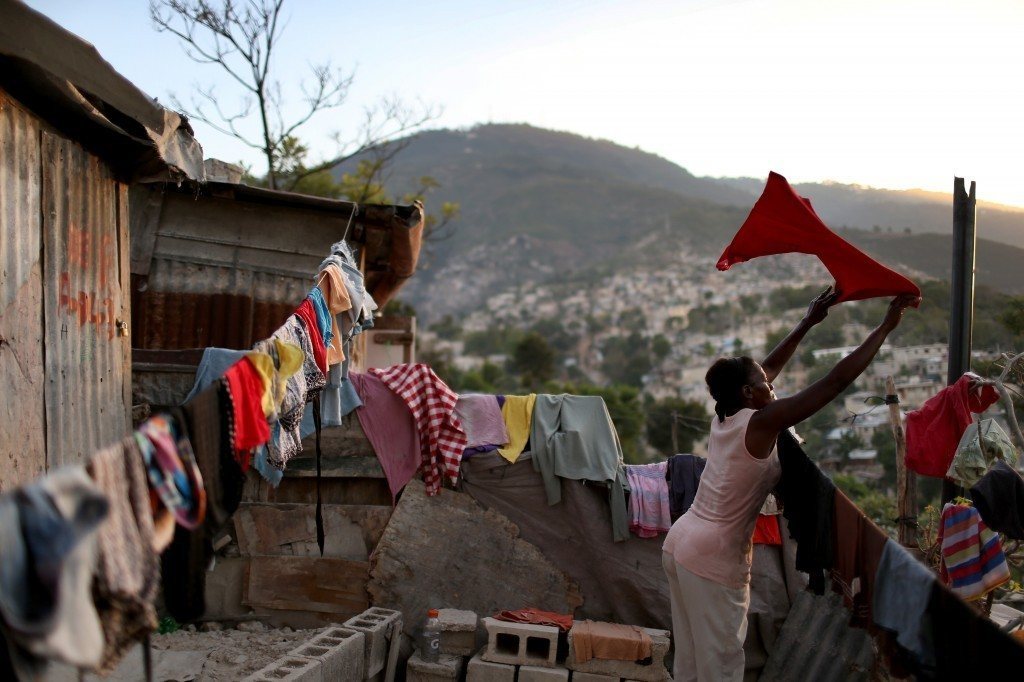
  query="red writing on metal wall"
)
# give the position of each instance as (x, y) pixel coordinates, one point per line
(90, 254)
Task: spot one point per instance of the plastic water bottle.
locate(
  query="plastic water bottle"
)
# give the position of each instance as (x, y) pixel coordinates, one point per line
(430, 646)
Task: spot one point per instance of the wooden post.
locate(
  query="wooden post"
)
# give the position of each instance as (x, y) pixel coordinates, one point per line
(906, 488)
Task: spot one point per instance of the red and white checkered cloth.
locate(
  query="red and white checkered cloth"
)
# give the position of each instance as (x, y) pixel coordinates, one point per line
(432, 403)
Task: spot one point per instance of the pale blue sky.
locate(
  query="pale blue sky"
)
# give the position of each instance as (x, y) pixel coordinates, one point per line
(889, 93)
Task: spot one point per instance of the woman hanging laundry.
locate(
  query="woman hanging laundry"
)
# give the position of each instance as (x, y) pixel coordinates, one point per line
(707, 553)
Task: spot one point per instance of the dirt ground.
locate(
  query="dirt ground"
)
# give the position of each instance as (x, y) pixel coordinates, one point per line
(217, 656)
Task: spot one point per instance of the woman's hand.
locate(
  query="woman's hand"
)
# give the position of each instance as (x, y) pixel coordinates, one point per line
(818, 309)
(896, 307)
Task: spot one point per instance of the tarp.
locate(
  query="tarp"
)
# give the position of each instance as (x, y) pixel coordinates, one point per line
(621, 582)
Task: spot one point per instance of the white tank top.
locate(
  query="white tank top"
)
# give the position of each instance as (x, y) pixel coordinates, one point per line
(713, 538)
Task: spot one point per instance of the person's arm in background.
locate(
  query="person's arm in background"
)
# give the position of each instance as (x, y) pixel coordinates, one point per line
(816, 312)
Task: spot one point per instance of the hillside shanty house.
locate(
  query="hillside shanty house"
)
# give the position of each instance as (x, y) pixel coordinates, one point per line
(74, 134)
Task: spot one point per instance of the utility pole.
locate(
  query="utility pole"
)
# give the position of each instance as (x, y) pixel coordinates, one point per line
(961, 293)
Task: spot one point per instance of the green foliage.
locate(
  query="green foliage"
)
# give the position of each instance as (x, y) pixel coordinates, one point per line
(691, 419)
(711, 319)
(661, 347)
(495, 341)
(398, 308)
(876, 505)
(785, 299)
(884, 443)
(447, 328)
(167, 625)
(626, 359)
(533, 360)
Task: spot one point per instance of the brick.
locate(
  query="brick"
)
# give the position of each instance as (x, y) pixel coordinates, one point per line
(289, 669)
(628, 670)
(458, 631)
(593, 677)
(445, 669)
(520, 643)
(377, 625)
(480, 670)
(532, 673)
(340, 652)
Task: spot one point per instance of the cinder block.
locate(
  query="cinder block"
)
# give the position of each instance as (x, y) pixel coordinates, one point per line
(458, 631)
(289, 669)
(531, 673)
(340, 652)
(445, 669)
(593, 677)
(627, 670)
(480, 670)
(520, 643)
(376, 624)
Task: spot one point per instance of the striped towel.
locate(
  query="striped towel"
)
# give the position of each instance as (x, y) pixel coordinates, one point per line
(973, 563)
(649, 512)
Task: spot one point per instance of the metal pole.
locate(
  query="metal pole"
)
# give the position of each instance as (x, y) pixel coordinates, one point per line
(961, 293)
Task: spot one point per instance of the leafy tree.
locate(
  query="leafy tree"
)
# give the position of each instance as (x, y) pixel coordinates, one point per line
(533, 360)
(661, 347)
(626, 359)
(398, 308)
(877, 506)
(447, 328)
(691, 419)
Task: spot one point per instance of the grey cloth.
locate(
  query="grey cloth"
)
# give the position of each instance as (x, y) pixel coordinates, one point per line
(48, 549)
(215, 362)
(573, 437)
(621, 582)
(683, 476)
(903, 588)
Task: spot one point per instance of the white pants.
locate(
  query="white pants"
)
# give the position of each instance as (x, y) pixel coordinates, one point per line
(709, 625)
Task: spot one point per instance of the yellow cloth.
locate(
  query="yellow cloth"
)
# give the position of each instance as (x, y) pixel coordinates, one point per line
(518, 414)
(332, 286)
(274, 378)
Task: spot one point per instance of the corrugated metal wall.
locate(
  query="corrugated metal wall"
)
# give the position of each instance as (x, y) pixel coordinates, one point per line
(87, 360)
(22, 434)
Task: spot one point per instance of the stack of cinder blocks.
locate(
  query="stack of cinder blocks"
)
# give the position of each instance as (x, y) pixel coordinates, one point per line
(382, 629)
(334, 654)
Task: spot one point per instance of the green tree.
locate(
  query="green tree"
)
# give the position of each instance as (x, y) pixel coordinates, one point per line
(533, 360)
(691, 420)
(661, 347)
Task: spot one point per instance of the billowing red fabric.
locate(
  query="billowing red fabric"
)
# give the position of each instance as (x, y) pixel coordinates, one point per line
(251, 429)
(307, 314)
(784, 222)
(766, 530)
(934, 431)
(534, 616)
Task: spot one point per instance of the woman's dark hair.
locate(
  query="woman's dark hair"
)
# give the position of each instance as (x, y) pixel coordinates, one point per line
(726, 380)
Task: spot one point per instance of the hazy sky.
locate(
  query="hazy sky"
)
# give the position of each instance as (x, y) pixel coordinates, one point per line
(889, 93)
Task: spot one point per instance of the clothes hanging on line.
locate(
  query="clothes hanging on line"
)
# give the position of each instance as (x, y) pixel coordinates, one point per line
(517, 413)
(808, 498)
(573, 437)
(903, 588)
(683, 476)
(973, 563)
(999, 498)
(858, 548)
(481, 419)
(389, 426)
(432, 405)
(976, 453)
(649, 513)
(934, 430)
(48, 543)
(784, 222)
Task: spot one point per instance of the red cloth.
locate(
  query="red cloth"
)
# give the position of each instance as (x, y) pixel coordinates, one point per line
(307, 313)
(934, 431)
(251, 429)
(432, 403)
(562, 621)
(766, 530)
(784, 222)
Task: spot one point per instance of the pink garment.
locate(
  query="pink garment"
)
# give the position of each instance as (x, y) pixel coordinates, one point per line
(432, 403)
(390, 428)
(649, 512)
(713, 538)
(934, 431)
(481, 419)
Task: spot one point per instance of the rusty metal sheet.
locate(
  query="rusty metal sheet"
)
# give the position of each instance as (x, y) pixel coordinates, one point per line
(87, 361)
(22, 433)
